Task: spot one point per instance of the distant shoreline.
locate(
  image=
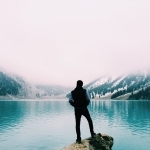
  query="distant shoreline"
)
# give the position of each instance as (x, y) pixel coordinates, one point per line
(65, 99)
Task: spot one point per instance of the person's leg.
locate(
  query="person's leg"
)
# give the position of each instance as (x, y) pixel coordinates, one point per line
(88, 117)
(78, 119)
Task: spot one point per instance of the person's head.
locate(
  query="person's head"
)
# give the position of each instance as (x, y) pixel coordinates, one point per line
(79, 83)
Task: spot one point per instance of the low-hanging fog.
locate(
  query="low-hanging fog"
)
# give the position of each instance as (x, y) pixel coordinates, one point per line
(59, 42)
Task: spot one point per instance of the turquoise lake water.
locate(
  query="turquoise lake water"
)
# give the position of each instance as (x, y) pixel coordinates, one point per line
(50, 125)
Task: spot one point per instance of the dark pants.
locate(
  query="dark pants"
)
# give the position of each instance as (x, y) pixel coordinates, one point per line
(78, 114)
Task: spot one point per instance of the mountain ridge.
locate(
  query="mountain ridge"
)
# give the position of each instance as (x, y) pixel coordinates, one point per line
(15, 87)
(125, 86)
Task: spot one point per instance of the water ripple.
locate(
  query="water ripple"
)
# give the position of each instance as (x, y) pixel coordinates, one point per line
(51, 124)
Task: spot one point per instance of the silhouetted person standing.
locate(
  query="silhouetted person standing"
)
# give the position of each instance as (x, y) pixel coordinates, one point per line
(80, 99)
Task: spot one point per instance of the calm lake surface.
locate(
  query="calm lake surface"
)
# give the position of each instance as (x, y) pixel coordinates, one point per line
(50, 125)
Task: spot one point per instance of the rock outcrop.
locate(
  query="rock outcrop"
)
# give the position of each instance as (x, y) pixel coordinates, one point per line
(99, 142)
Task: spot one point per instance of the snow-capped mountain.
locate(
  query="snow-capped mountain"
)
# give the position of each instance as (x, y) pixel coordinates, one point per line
(129, 86)
(15, 87)
(53, 90)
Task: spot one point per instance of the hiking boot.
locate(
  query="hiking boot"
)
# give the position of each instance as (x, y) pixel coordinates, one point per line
(93, 135)
(78, 140)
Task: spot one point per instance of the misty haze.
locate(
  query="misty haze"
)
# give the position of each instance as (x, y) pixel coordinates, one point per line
(47, 46)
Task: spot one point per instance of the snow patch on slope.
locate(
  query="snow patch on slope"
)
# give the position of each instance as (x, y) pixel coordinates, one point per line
(99, 82)
(118, 81)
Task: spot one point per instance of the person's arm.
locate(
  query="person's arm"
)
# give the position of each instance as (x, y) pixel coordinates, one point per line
(71, 101)
(87, 98)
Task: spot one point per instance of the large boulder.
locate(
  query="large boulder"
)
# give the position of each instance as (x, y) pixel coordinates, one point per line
(99, 142)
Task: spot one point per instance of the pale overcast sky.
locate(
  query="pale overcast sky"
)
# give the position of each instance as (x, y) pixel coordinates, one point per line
(61, 41)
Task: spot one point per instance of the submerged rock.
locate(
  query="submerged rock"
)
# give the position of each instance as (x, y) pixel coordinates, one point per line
(99, 142)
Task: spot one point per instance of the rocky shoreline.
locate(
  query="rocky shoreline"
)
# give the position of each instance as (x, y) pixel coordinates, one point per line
(99, 142)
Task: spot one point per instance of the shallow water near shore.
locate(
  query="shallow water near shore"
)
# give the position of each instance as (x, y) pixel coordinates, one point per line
(50, 125)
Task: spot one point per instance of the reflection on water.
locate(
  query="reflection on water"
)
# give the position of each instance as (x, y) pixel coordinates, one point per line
(51, 124)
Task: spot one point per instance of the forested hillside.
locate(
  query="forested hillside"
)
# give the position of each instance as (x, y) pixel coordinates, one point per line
(129, 86)
(15, 87)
